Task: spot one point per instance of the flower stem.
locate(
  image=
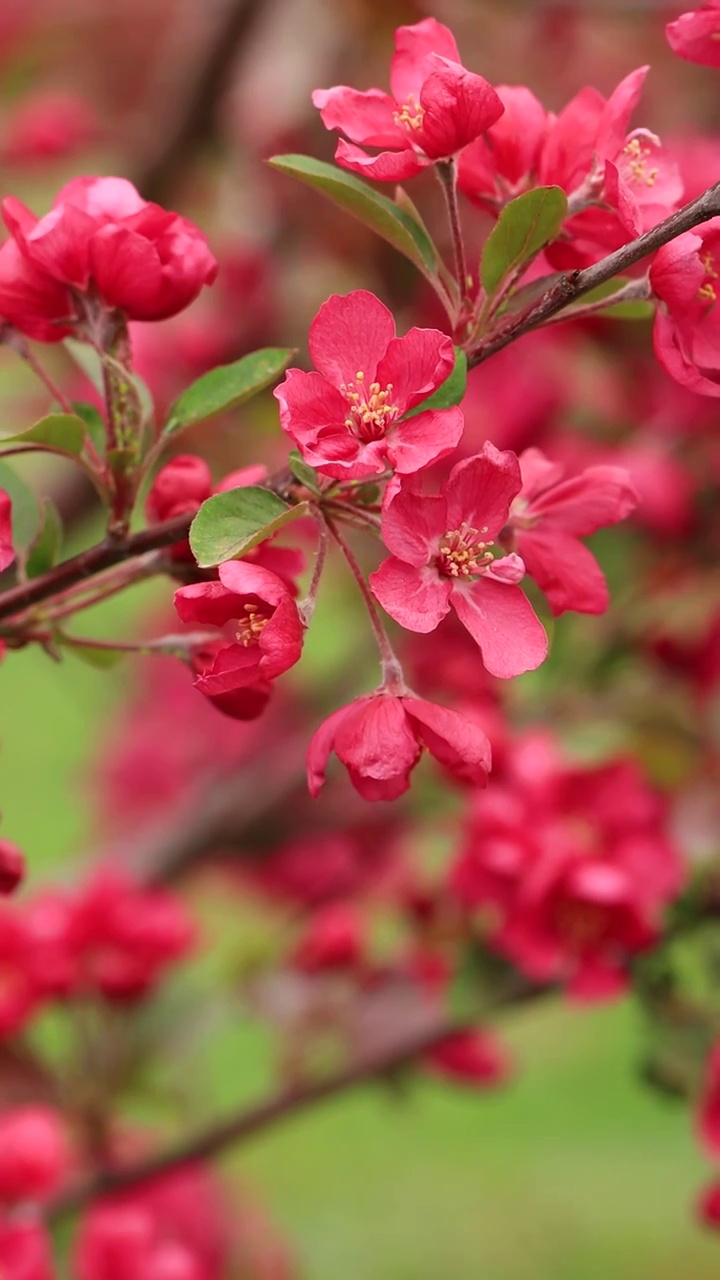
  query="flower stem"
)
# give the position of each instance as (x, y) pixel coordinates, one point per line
(446, 171)
(307, 606)
(392, 672)
(33, 363)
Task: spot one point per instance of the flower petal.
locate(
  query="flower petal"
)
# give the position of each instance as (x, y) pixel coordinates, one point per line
(425, 438)
(415, 47)
(454, 740)
(312, 414)
(251, 579)
(7, 551)
(209, 603)
(458, 108)
(413, 524)
(127, 271)
(480, 489)
(416, 365)
(503, 624)
(418, 599)
(367, 118)
(565, 570)
(350, 334)
(597, 497)
(388, 166)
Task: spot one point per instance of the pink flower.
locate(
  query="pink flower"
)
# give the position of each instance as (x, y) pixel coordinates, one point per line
(7, 550)
(550, 515)
(442, 558)
(100, 240)
(696, 35)
(471, 1058)
(348, 419)
(20, 992)
(48, 124)
(25, 1251)
(181, 486)
(436, 108)
(34, 1154)
(267, 634)
(685, 278)
(333, 941)
(380, 739)
(503, 164)
(708, 1119)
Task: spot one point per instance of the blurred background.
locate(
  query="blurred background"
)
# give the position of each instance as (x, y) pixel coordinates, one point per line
(575, 1169)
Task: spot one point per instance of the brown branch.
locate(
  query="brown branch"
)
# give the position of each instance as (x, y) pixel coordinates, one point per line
(576, 283)
(90, 562)
(193, 123)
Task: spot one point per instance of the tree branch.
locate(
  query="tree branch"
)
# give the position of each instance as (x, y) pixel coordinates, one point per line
(91, 562)
(574, 284)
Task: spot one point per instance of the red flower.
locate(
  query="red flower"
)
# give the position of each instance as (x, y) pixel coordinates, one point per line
(34, 1154)
(436, 108)
(442, 559)
(333, 940)
(348, 419)
(50, 123)
(708, 1120)
(7, 551)
(685, 277)
(551, 514)
(181, 486)
(504, 164)
(696, 35)
(20, 993)
(100, 239)
(471, 1058)
(25, 1251)
(267, 635)
(380, 739)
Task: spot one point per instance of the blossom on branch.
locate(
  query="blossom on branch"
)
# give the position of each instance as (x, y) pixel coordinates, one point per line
(380, 739)
(696, 35)
(349, 419)
(443, 557)
(685, 278)
(436, 108)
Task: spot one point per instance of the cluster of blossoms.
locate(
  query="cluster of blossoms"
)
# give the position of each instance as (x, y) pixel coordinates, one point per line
(564, 872)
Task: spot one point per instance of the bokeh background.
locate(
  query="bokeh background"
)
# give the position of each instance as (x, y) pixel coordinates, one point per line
(576, 1170)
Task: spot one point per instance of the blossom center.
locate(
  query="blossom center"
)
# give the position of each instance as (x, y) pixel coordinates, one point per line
(638, 163)
(708, 290)
(251, 625)
(463, 553)
(371, 412)
(410, 115)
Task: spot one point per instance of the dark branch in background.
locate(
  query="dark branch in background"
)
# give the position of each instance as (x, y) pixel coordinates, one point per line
(90, 562)
(576, 283)
(192, 123)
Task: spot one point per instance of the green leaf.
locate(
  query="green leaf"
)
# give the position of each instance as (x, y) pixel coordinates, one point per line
(375, 211)
(58, 433)
(227, 386)
(231, 523)
(44, 550)
(88, 361)
(101, 659)
(633, 309)
(25, 508)
(450, 392)
(303, 472)
(524, 227)
(94, 423)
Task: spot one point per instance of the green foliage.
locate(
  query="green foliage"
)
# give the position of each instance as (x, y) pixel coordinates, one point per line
(25, 508)
(451, 390)
(231, 523)
(227, 386)
(57, 433)
(44, 549)
(524, 227)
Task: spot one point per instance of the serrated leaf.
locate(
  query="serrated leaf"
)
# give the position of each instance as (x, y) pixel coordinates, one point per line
(303, 472)
(57, 433)
(25, 507)
(375, 211)
(450, 392)
(44, 550)
(524, 227)
(227, 386)
(94, 423)
(231, 523)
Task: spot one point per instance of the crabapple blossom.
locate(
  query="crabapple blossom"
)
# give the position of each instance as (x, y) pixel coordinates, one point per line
(504, 162)
(436, 108)
(7, 550)
(350, 418)
(696, 35)
(472, 1058)
(442, 558)
(685, 278)
(35, 1155)
(25, 1252)
(380, 739)
(550, 515)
